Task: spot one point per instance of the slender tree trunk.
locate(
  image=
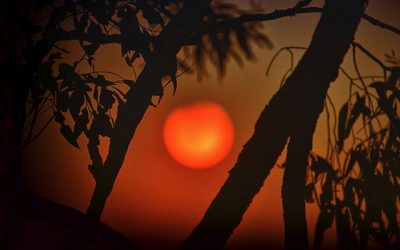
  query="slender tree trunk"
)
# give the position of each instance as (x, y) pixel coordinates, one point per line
(305, 88)
(170, 41)
(293, 188)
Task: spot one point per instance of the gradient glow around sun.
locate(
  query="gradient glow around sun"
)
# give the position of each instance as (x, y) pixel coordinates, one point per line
(198, 136)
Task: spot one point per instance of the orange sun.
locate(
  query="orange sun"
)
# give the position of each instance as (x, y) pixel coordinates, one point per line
(198, 136)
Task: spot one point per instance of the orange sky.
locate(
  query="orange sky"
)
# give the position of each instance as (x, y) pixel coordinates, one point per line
(156, 201)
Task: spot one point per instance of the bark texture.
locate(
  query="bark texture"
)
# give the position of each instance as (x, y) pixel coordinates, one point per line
(292, 111)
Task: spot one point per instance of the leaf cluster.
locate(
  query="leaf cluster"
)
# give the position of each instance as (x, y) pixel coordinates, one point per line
(88, 98)
(358, 184)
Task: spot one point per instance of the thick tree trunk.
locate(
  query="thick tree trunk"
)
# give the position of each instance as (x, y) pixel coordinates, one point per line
(304, 89)
(170, 41)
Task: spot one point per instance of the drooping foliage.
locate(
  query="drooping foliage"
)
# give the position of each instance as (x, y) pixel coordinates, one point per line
(356, 184)
(83, 98)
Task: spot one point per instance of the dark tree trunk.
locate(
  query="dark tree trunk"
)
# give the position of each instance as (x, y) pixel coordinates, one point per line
(170, 41)
(293, 190)
(297, 103)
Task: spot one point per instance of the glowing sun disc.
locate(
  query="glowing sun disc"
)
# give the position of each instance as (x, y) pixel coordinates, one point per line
(199, 135)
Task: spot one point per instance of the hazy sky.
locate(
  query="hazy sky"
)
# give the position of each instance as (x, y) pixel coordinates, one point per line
(156, 200)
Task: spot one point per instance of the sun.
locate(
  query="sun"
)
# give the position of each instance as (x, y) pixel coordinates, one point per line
(198, 136)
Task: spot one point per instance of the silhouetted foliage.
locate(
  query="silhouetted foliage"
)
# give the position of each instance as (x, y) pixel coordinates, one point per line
(91, 103)
(291, 113)
(362, 155)
(133, 25)
(85, 103)
(90, 97)
(357, 183)
(83, 100)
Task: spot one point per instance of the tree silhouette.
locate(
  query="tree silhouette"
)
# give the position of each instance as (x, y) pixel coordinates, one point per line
(291, 113)
(89, 98)
(356, 184)
(101, 104)
(83, 103)
(22, 96)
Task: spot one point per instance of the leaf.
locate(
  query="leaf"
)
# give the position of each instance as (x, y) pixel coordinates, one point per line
(346, 238)
(81, 123)
(357, 109)
(67, 133)
(158, 89)
(393, 77)
(101, 125)
(349, 197)
(388, 201)
(106, 98)
(128, 61)
(379, 86)
(58, 117)
(385, 104)
(353, 159)
(83, 22)
(262, 40)
(236, 57)
(327, 192)
(96, 93)
(219, 50)
(91, 49)
(94, 31)
(324, 221)
(76, 102)
(366, 167)
(128, 82)
(102, 12)
(129, 29)
(65, 70)
(62, 101)
(308, 196)
(395, 91)
(347, 121)
(200, 60)
(320, 166)
(149, 13)
(102, 82)
(242, 38)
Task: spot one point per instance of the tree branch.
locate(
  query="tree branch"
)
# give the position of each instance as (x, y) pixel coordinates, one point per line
(290, 12)
(370, 55)
(381, 24)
